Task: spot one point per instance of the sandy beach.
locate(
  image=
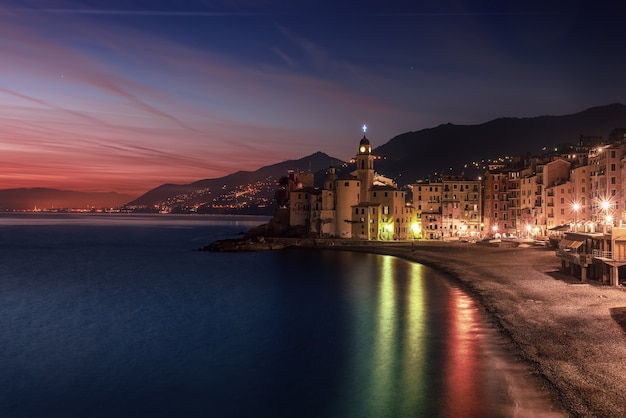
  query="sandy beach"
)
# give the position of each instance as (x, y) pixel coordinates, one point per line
(569, 333)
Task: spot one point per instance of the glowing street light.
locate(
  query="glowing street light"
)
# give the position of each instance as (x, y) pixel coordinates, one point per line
(576, 207)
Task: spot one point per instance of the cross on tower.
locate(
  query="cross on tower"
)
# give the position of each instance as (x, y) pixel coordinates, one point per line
(364, 129)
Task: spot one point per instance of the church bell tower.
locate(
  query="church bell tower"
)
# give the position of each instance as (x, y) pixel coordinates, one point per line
(365, 167)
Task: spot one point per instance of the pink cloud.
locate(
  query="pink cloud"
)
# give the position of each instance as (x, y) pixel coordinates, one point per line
(159, 112)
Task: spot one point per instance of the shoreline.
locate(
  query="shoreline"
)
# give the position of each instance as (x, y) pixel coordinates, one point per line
(572, 335)
(567, 332)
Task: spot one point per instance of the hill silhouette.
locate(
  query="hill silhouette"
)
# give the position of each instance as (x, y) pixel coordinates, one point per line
(221, 188)
(417, 155)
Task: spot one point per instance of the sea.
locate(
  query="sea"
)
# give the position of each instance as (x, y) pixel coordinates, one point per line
(118, 315)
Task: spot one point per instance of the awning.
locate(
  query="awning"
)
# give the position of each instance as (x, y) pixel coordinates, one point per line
(564, 243)
(568, 243)
(560, 228)
(576, 244)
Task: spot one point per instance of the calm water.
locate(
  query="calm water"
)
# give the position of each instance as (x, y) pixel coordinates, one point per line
(115, 315)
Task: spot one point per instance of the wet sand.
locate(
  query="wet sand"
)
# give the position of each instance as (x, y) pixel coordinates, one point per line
(570, 334)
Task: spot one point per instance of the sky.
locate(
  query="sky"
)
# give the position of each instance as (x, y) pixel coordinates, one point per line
(112, 95)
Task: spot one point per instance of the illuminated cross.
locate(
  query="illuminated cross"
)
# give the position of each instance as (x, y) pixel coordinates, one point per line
(364, 129)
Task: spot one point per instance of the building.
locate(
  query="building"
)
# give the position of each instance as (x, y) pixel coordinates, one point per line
(450, 208)
(460, 207)
(427, 203)
(359, 205)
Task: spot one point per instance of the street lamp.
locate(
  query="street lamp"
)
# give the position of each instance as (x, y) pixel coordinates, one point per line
(576, 207)
(606, 205)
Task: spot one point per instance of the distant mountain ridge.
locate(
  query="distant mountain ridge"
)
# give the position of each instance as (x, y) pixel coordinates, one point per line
(220, 190)
(44, 198)
(416, 155)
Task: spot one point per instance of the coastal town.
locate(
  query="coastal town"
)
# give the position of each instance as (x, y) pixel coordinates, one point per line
(573, 201)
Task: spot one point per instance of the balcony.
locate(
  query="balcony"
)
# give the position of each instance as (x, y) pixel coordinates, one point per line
(606, 256)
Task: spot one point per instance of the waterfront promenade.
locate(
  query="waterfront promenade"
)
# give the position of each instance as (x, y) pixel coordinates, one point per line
(571, 334)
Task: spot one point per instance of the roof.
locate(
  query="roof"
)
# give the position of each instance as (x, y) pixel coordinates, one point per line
(560, 228)
(311, 190)
(383, 187)
(348, 177)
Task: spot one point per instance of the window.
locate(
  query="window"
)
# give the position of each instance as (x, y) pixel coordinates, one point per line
(613, 180)
(374, 194)
(612, 167)
(356, 211)
(346, 184)
(385, 194)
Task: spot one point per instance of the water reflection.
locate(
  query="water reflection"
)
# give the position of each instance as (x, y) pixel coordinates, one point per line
(421, 348)
(462, 369)
(383, 356)
(414, 359)
(388, 377)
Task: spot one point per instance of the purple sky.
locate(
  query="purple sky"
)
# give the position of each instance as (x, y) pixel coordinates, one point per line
(127, 95)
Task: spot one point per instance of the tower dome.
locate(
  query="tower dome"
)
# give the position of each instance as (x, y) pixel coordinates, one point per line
(364, 146)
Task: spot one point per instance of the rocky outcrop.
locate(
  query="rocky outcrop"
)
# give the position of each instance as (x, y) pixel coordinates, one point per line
(243, 244)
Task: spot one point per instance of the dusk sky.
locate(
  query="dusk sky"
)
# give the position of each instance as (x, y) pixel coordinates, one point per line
(110, 95)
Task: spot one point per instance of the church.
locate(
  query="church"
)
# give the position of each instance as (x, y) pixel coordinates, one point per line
(357, 205)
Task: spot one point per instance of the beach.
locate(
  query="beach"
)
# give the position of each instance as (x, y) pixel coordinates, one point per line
(568, 333)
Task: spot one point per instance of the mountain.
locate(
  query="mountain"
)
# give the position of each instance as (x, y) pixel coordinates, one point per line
(416, 155)
(41, 198)
(242, 192)
(406, 158)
